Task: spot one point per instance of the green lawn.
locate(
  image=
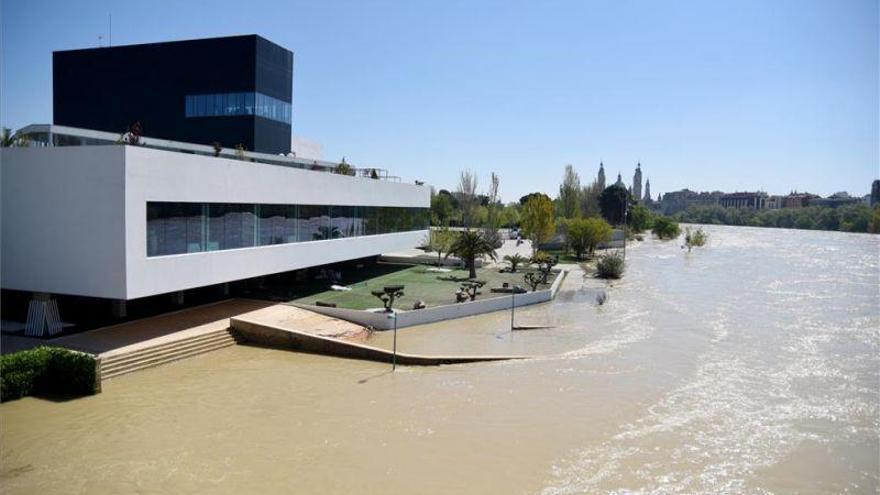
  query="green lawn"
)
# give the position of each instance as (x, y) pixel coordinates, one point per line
(419, 285)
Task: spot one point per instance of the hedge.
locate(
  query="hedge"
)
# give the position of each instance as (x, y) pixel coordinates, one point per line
(47, 371)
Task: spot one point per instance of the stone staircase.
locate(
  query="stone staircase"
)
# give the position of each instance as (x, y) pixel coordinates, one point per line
(126, 362)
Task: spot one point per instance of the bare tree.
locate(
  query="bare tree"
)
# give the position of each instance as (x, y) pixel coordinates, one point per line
(467, 197)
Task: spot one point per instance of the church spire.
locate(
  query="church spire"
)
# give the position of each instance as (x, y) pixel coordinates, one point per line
(600, 179)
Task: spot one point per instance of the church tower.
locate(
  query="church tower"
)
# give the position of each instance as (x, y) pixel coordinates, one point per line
(600, 180)
(637, 182)
(620, 181)
(648, 198)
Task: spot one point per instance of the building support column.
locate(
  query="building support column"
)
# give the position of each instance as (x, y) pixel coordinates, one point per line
(119, 308)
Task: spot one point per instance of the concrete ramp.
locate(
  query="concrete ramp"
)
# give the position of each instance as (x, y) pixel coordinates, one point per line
(253, 328)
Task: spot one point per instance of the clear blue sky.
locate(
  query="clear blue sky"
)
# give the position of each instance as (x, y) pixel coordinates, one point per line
(730, 95)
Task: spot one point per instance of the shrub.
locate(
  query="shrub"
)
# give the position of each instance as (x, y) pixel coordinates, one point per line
(47, 370)
(694, 238)
(515, 260)
(666, 228)
(610, 266)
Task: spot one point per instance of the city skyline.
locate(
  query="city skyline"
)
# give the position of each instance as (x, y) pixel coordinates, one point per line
(738, 97)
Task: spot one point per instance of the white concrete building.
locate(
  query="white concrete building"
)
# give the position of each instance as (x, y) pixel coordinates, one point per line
(83, 215)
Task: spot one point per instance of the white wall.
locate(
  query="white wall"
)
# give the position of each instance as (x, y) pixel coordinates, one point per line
(63, 222)
(74, 218)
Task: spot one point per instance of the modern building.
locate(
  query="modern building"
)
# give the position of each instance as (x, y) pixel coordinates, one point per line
(750, 200)
(84, 214)
(233, 90)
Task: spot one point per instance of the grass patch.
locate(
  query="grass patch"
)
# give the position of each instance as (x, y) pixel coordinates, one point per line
(435, 289)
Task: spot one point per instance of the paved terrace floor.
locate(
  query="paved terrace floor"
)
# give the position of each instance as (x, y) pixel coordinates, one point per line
(146, 332)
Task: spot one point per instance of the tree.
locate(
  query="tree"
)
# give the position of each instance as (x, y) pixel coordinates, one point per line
(589, 199)
(612, 203)
(515, 260)
(510, 215)
(8, 139)
(439, 241)
(525, 199)
(666, 228)
(467, 197)
(537, 220)
(569, 194)
(343, 168)
(584, 234)
(470, 245)
(639, 218)
(442, 209)
(694, 238)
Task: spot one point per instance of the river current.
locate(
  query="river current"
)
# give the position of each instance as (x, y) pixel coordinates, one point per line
(751, 365)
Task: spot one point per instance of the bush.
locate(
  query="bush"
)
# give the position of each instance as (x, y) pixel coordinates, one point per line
(694, 238)
(47, 370)
(666, 228)
(610, 266)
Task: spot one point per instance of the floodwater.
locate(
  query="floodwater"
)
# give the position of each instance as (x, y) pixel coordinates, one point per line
(751, 365)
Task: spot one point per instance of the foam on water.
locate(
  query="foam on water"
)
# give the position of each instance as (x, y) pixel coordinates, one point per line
(800, 364)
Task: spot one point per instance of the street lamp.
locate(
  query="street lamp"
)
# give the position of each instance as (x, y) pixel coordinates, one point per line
(387, 295)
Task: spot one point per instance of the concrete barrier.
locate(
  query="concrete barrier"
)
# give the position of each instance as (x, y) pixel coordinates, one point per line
(380, 321)
(262, 334)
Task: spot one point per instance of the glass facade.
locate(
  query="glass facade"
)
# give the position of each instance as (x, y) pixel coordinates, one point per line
(177, 228)
(228, 104)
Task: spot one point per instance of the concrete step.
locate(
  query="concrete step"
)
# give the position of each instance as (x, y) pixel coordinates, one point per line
(167, 351)
(167, 345)
(163, 359)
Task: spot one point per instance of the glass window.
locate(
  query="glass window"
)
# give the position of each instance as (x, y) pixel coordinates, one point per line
(176, 228)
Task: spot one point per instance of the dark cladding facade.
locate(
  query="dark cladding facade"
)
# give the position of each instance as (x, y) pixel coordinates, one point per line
(228, 90)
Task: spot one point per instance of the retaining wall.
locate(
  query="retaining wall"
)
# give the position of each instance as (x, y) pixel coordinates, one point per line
(380, 321)
(284, 338)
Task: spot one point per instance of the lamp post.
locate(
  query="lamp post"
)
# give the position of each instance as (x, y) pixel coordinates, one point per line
(387, 295)
(392, 315)
(512, 307)
(625, 208)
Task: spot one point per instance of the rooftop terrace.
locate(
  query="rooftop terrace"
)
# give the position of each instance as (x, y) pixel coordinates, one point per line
(44, 135)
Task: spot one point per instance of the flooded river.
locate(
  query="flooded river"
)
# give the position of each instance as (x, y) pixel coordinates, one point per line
(751, 365)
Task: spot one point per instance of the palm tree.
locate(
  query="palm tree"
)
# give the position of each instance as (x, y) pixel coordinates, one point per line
(515, 260)
(470, 245)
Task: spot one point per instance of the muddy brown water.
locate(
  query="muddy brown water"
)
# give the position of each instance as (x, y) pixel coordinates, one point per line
(749, 366)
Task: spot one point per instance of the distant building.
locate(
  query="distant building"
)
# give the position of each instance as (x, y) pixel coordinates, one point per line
(637, 182)
(619, 181)
(875, 192)
(774, 202)
(648, 198)
(835, 200)
(673, 202)
(600, 179)
(750, 200)
(798, 200)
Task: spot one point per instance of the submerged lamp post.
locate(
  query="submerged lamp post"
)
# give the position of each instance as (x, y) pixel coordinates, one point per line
(387, 295)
